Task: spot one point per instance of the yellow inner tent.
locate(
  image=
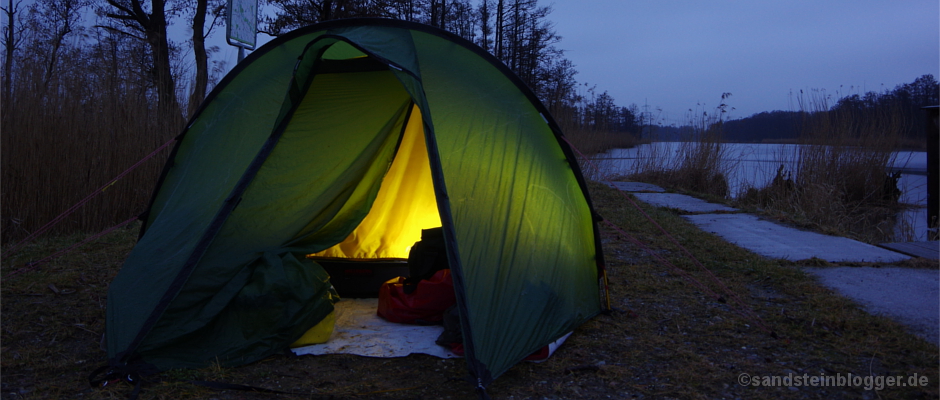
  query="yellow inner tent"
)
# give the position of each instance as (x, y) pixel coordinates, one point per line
(403, 207)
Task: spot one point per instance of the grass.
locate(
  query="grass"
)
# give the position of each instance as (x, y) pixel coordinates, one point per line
(700, 163)
(841, 181)
(666, 337)
(696, 167)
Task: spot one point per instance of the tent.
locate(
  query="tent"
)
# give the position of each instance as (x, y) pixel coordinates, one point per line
(344, 140)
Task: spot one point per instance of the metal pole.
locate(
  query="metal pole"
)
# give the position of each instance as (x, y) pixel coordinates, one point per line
(241, 53)
(933, 172)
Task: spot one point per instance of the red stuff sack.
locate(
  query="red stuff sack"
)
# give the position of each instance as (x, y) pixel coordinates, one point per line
(424, 306)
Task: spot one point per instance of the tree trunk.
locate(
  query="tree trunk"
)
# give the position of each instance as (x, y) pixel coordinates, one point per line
(154, 27)
(202, 60)
(9, 42)
(498, 42)
(163, 74)
(485, 29)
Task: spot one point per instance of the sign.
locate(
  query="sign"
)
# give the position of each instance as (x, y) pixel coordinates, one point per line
(242, 23)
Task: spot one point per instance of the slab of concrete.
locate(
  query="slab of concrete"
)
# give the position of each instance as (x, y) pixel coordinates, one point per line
(636, 187)
(775, 241)
(929, 249)
(909, 296)
(681, 202)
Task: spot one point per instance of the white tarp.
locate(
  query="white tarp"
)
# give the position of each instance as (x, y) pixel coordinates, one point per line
(360, 331)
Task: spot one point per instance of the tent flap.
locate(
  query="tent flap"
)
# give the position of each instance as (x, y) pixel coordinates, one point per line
(283, 296)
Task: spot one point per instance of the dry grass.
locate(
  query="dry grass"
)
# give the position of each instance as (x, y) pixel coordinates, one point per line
(696, 167)
(67, 136)
(666, 338)
(700, 164)
(840, 182)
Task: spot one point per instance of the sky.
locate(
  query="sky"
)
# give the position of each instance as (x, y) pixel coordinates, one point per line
(678, 55)
(672, 56)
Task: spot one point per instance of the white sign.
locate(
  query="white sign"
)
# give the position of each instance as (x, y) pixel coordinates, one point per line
(242, 23)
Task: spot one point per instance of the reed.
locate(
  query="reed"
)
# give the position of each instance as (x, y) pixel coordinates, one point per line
(697, 164)
(841, 180)
(68, 133)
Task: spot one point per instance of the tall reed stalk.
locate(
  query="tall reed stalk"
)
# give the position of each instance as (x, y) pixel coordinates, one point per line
(66, 136)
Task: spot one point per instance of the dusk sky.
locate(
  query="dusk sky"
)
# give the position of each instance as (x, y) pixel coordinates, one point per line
(677, 54)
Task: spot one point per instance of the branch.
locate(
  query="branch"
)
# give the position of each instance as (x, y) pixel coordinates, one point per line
(215, 20)
(120, 7)
(137, 14)
(122, 16)
(116, 30)
(140, 11)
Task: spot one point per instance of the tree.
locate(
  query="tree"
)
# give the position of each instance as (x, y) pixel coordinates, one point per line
(56, 19)
(200, 32)
(150, 25)
(12, 37)
(292, 14)
(485, 29)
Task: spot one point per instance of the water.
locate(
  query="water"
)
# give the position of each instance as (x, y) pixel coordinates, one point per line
(756, 164)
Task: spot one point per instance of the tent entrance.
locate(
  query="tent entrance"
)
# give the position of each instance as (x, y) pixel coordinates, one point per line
(378, 248)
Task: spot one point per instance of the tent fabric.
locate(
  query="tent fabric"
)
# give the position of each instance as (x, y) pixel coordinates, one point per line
(403, 207)
(345, 139)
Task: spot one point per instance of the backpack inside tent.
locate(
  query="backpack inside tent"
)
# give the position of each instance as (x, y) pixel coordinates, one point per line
(342, 141)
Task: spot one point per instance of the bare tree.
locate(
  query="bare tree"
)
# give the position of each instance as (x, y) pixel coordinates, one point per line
(11, 40)
(150, 25)
(201, 80)
(293, 14)
(485, 29)
(55, 19)
(498, 39)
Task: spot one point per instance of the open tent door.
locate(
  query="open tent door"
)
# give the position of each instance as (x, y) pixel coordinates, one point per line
(403, 207)
(224, 257)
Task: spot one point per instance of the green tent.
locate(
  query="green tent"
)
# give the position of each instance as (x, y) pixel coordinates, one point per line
(346, 139)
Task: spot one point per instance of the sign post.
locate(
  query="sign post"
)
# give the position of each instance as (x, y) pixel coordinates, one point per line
(242, 25)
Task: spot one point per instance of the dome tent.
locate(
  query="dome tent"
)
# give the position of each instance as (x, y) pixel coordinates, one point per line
(345, 139)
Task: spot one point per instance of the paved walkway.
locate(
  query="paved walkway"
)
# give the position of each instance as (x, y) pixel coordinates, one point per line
(910, 296)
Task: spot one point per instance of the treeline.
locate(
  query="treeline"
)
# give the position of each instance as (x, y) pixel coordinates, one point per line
(901, 105)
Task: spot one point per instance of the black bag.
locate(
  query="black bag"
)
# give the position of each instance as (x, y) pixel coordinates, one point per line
(426, 257)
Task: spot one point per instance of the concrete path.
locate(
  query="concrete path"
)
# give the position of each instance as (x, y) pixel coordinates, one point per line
(927, 249)
(761, 236)
(634, 187)
(776, 241)
(682, 202)
(910, 296)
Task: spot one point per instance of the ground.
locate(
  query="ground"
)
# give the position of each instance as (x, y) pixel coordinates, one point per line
(677, 329)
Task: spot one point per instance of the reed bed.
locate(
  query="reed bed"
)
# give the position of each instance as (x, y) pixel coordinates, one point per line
(699, 163)
(841, 180)
(66, 135)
